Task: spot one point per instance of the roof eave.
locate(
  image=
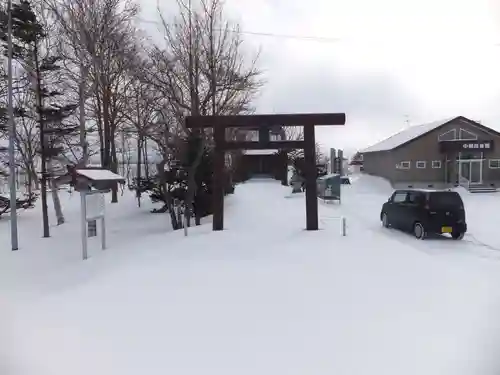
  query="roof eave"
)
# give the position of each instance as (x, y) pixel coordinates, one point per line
(427, 132)
(423, 134)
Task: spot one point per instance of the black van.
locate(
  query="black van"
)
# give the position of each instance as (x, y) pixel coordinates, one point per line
(425, 211)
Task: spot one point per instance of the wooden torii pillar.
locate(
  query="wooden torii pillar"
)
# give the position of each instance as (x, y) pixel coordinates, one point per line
(264, 123)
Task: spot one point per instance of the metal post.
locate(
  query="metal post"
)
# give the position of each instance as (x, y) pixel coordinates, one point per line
(103, 233)
(12, 138)
(84, 224)
(343, 226)
(103, 222)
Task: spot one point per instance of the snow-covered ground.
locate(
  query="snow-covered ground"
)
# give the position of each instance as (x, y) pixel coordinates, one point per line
(364, 200)
(262, 297)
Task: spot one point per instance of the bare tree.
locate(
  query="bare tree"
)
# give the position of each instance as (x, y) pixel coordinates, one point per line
(296, 133)
(32, 44)
(27, 143)
(293, 133)
(4, 159)
(73, 75)
(102, 41)
(144, 102)
(26, 140)
(202, 71)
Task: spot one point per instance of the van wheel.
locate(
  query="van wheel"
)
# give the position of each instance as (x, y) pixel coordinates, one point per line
(457, 235)
(385, 221)
(419, 231)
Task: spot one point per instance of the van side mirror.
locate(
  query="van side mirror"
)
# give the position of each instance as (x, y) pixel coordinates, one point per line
(389, 200)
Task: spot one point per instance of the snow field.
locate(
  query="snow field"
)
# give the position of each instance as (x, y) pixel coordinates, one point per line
(263, 296)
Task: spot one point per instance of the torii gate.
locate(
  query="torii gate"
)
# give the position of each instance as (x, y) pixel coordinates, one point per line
(264, 123)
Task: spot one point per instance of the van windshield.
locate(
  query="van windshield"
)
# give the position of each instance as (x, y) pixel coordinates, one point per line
(445, 199)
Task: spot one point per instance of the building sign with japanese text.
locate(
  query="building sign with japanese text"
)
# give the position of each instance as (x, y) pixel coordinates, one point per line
(458, 146)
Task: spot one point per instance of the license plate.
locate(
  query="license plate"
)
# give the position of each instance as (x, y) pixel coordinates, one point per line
(446, 229)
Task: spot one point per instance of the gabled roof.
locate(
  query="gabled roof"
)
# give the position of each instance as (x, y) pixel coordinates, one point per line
(407, 135)
(93, 174)
(99, 175)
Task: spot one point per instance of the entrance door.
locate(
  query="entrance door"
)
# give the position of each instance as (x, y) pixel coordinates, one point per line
(472, 170)
(476, 173)
(464, 169)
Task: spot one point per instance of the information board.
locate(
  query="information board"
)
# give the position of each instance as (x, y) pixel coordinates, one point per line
(94, 206)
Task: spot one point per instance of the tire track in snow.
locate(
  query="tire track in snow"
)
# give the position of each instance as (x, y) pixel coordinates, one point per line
(431, 246)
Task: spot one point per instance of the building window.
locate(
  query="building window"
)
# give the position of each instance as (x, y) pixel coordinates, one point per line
(253, 136)
(421, 164)
(494, 163)
(466, 135)
(450, 135)
(360, 157)
(403, 165)
(436, 164)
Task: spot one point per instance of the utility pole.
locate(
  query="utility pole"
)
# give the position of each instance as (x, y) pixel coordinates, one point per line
(12, 138)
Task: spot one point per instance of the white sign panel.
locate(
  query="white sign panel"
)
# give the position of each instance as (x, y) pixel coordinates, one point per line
(94, 206)
(93, 209)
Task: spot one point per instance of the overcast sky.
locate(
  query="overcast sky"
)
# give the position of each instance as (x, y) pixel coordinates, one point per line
(393, 60)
